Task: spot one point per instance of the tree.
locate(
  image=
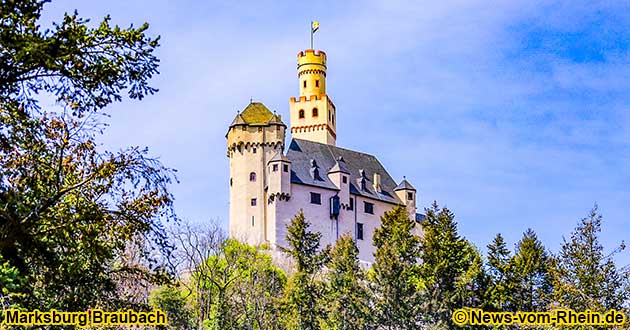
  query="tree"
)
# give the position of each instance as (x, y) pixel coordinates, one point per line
(172, 300)
(450, 274)
(531, 264)
(241, 284)
(347, 299)
(394, 271)
(586, 278)
(500, 270)
(300, 306)
(68, 212)
(194, 245)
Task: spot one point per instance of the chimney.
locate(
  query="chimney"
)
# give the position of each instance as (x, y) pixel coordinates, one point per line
(377, 182)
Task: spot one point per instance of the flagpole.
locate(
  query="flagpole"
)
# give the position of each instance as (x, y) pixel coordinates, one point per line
(311, 28)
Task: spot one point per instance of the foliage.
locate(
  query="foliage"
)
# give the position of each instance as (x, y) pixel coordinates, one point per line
(300, 306)
(83, 67)
(394, 270)
(241, 284)
(69, 212)
(500, 295)
(347, 299)
(531, 272)
(586, 278)
(172, 300)
(450, 275)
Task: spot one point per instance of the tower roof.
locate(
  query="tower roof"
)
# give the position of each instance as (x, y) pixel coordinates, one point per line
(404, 185)
(256, 113)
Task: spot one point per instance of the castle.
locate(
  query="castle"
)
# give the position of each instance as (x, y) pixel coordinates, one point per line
(339, 190)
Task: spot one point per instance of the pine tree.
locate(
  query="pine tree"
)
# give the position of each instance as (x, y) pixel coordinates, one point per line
(450, 273)
(395, 271)
(500, 270)
(531, 264)
(586, 278)
(347, 299)
(301, 308)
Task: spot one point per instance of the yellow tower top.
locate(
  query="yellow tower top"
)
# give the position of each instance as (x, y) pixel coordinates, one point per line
(312, 72)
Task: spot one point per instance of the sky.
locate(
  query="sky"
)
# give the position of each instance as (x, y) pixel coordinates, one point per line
(513, 114)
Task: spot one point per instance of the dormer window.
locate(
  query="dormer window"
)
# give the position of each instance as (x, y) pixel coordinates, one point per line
(344, 179)
(275, 167)
(301, 114)
(285, 168)
(409, 196)
(252, 176)
(315, 112)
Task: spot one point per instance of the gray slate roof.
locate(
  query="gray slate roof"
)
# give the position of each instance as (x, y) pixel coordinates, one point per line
(404, 185)
(301, 153)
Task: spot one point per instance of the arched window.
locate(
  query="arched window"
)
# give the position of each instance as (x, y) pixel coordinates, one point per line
(252, 176)
(301, 114)
(315, 112)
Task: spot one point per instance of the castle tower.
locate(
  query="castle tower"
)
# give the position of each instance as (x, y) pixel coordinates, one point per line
(313, 115)
(255, 136)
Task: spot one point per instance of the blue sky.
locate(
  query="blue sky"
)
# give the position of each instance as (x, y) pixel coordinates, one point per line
(514, 114)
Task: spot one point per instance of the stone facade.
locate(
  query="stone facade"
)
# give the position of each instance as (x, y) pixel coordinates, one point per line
(339, 190)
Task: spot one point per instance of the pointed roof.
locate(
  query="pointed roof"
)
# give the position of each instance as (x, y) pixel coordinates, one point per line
(257, 113)
(404, 185)
(238, 120)
(279, 157)
(340, 166)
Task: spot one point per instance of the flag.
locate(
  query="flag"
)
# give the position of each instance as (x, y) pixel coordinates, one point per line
(314, 26)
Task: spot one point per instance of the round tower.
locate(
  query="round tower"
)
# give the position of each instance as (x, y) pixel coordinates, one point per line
(313, 114)
(312, 72)
(255, 136)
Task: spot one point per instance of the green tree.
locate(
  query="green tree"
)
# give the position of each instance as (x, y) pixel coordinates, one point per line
(584, 277)
(450, 275)
(241, 284)
(531, 264)
(347, 299)
(502, 286)
(301, 307)
(172, 300)
(394, 271)
(69, 212)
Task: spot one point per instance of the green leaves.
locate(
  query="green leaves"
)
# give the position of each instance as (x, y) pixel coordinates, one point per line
(584, 276)
(85, 68)
(76, 223)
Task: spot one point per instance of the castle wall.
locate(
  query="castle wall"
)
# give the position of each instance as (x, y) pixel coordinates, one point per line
(319, 218)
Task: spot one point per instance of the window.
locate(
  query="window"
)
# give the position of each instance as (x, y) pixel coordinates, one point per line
(252, 176)
(351, 206)
(301, 114)
(344, 179)
(315, 112)
(409, 196)
(230, 182)
(368, 208)
(316, 198)
(252, 221)
(243, 128)
(316, 83)
(275, 167)
(253, 202)
(285, 168)
(304, 83)
(359, 231)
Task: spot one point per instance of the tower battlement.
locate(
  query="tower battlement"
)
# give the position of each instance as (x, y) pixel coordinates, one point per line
(311, 56)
